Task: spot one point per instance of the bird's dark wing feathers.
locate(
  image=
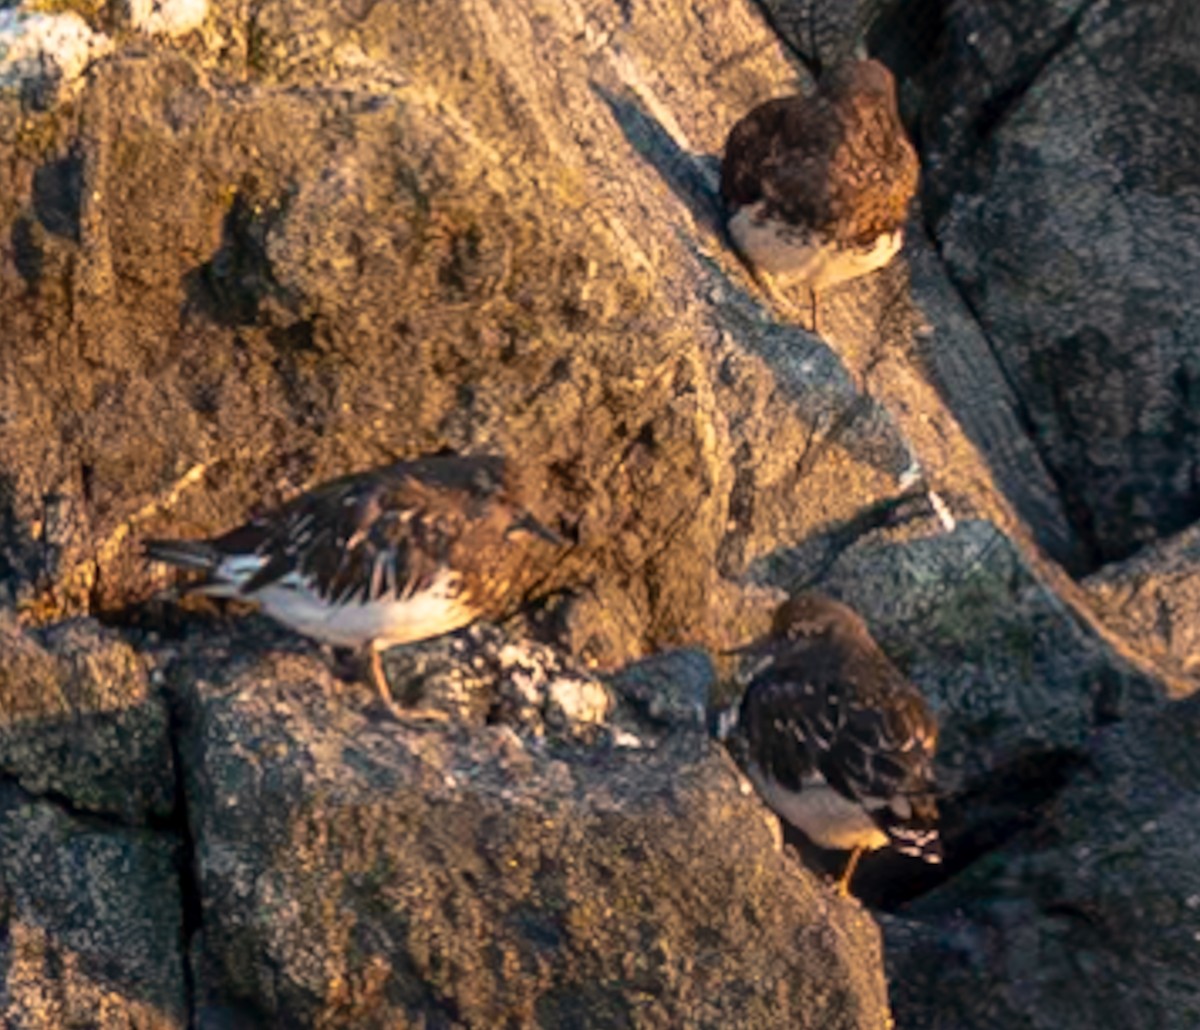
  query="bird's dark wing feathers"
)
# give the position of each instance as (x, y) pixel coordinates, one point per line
(357, 539)
(804, 718)
(878, 755)
(789, 725)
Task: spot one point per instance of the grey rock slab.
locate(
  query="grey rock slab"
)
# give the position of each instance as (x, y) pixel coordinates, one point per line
(90, 921)
(1076, 250)
(1092, 919)
(1154, 598)
(81, 720)
(358, 872)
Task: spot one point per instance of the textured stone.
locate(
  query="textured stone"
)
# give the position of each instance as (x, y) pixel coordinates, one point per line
(42, 55)
(1075, 245)
(79, 719)
(165, 17)
(1091, 919)
(1154, 598)
(90, 921)
(359, 873)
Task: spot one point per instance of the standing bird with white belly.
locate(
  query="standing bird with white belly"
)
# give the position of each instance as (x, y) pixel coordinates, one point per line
(817, 187)
(836, 741)
(390, 556)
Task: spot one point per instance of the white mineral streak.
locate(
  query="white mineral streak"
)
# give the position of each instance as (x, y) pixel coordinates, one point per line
(165, 17)
(43, 54)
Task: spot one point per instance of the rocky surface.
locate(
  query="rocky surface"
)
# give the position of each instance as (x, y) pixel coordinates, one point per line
(92, 920)
(1068, 217)
(43, 55)
(80, 721)
(1091, 919)
(1154, 598)
(252, 248)
(360, 873)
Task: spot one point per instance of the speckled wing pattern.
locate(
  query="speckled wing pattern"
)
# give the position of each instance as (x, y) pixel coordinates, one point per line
(385, 534)
(781, 143)
(813, 713)
(836, 163)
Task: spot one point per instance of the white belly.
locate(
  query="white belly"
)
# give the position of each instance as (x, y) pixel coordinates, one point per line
(429, 613)
(823, 815)
(796, 254)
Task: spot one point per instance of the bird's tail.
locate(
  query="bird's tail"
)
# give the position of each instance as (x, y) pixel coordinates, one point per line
(199, 555)
(916, 834)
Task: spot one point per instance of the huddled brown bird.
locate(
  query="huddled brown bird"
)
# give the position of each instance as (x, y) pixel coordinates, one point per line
(389, 556)
(817, 187)
(836, 741)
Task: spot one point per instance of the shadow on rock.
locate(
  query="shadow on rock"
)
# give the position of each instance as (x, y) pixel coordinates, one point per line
(692, 177)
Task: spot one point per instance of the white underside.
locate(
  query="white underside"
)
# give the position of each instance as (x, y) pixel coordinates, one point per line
(796, 254)
(384, 623)
(818, 811)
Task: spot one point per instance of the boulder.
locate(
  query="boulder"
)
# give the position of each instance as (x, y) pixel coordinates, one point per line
(44, 55)
(358, 872)
(1072, 236)
(81, 721)
(395, 243)
(1154, 598)
(1089, 919)
(91, 920)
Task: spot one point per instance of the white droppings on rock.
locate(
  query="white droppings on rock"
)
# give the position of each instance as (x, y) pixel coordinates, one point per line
(625, 739)
(165, 17)
(41, 55)
(579, 701)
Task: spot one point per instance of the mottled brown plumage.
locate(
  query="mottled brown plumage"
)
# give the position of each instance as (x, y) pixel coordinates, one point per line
(817, 187)
(837, 741)
(389, 556)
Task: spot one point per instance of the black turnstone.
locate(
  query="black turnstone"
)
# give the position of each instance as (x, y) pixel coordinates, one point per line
(817, 187)
(836, 741)
(389, 556)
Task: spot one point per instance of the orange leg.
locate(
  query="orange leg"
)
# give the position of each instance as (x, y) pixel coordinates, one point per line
(843, 886)
(379, 681)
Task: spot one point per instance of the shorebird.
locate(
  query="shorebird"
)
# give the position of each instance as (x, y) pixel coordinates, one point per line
(389, 556)
(834, 739)
(817, 187)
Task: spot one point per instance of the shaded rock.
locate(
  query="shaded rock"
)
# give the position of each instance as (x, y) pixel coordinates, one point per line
(1008, 666)
(356, 873)
(1154, 598)
(90, 921)
(956, 357)
(1018, 682)
(42, 55)
(80, 720)
(672, 689)
(980, 60)
(1090, 920)
(1075, 249)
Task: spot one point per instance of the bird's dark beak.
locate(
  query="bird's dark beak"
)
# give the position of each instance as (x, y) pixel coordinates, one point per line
(753, 649)
(528, 524)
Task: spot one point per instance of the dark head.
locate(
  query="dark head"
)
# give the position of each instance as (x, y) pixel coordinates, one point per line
(813, 615)
(866, 82)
